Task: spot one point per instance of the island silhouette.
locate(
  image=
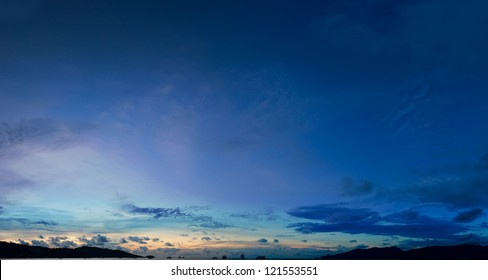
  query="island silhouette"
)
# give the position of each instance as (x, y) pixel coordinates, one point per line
(17, 251)
(10, 250)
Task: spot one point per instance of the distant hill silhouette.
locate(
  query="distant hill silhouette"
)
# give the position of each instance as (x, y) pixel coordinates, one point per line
(17, 251)
(459, 252)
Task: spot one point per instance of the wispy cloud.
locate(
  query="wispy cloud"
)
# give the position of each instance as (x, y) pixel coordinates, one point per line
(468, 216)
(156, 213)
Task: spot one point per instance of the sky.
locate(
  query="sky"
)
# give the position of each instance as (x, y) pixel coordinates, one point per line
(200, 129)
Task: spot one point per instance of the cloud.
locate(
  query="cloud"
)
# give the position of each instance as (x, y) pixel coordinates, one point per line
(361, 246)
(204, 221)
(333, 213)
(262, 240)
(62, 242)
(97, 240)
(365, 221)
(411, 113)
(351, 188)
(468, 216)
(24, 223)
(276, 241)
(461, 239)
(40, 243)
(140, 240)
(143, 249)
(156, 213)
(24, 136)
(45, 223)
(123, 241)
(213, 225)
(457, 186)
(168, 244)
(353, 241)
(206, 238)
(262, 215)
(23, 242)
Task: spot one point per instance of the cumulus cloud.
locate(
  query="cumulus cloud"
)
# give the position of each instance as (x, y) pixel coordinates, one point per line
(40, 243)
(61, 242)
(169, 244)
(143, 249)
(97, 240)
(262, 240)
(468, 216)
(140, 240)
(206, 238)
(23, 242)
(276, 241)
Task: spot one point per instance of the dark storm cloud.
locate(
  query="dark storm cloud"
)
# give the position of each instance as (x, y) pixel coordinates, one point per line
(468, 216)
(365, 221)
(97, 240)
(156, 213)
(351, 188)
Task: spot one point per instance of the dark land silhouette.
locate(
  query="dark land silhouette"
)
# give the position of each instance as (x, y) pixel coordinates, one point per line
(458, 252)
(17, 251)
(10, 250)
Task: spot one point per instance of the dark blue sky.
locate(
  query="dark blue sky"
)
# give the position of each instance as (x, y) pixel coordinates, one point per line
(215, 125)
